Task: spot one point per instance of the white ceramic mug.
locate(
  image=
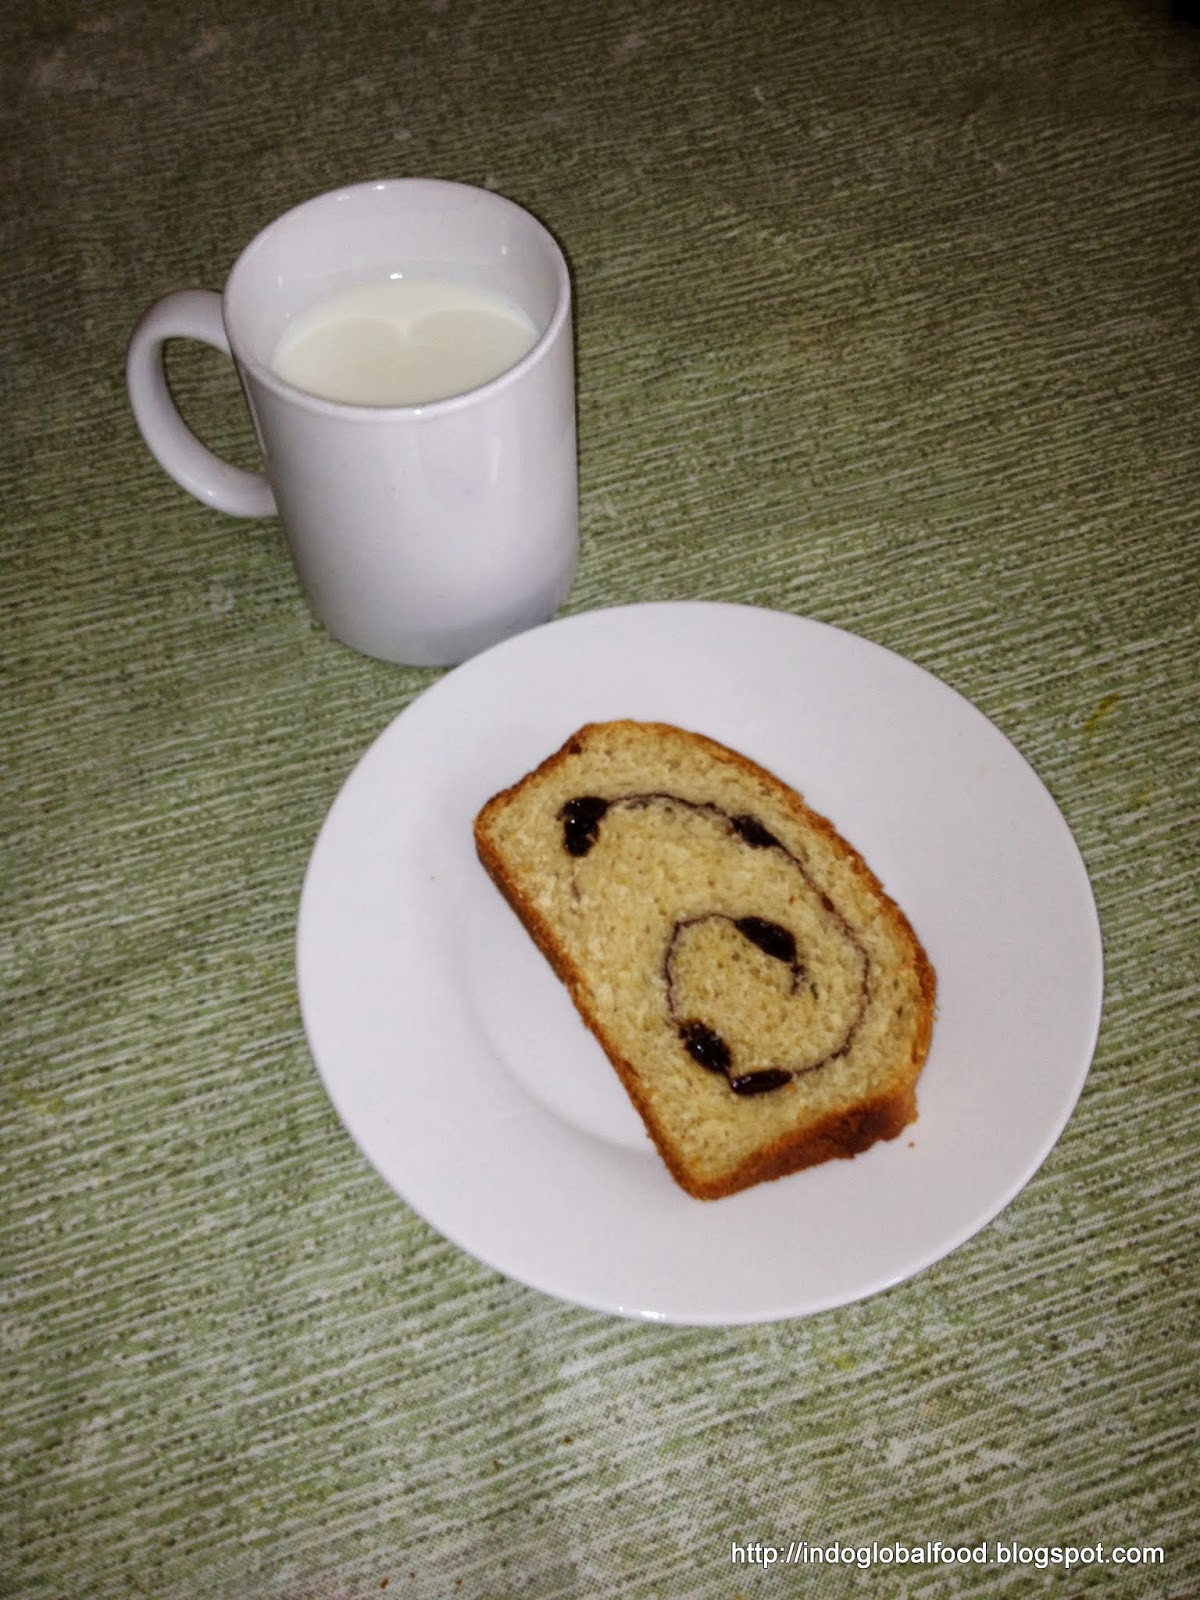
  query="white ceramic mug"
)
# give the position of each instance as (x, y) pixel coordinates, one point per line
(420, 533)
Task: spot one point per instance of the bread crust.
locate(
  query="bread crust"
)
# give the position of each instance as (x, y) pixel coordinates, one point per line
(839, 1136)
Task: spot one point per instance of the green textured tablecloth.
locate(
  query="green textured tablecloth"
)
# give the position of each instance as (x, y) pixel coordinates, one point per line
(887, 315)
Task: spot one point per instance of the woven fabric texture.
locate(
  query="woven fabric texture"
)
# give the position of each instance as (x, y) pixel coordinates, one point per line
(886, 315)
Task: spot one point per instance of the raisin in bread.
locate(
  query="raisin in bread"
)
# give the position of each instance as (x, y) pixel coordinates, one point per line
(764, 1002)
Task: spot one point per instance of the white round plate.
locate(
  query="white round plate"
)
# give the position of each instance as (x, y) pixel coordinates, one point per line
(459, 1066)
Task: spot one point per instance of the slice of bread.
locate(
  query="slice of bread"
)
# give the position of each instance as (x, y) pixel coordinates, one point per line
(764, 1002)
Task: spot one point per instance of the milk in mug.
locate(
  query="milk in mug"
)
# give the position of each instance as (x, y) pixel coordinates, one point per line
(403, 340)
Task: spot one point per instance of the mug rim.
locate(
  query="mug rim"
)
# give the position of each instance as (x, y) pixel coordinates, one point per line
(266, 375)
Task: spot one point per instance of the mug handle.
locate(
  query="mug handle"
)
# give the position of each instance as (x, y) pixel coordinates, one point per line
(187, 314)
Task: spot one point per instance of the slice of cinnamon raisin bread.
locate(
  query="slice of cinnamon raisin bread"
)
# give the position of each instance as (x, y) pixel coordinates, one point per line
(765, 1003)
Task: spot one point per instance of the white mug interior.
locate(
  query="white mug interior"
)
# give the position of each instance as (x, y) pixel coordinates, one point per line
(362, 234)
